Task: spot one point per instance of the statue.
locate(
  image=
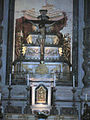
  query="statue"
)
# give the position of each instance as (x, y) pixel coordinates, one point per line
(42, 27)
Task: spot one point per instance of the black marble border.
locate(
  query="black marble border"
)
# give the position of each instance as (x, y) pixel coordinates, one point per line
(75, 40)
(10, 38)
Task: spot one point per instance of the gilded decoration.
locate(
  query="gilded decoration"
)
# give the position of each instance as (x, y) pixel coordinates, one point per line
(34, 28)
(32, 51)
(41, 95)
(29, 39)
(55, 40)
(18, 43)
(67, 46)
(24, 48)
(51, 51)
(42, 69)
(60, 51)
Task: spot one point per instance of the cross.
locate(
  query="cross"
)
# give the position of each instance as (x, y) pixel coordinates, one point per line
(42, 42)
(42, 29)
(43, 17)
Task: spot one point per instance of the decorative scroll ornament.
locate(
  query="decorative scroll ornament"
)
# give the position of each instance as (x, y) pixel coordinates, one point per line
(18, 43)
(24, 50)
(60, 51)
(29, 39)
(67, 46)
(55, 40)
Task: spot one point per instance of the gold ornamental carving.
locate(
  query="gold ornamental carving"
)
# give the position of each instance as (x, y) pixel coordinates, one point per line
(42, 69)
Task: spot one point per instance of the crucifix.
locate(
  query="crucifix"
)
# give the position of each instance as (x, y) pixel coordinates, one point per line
(42, 28)
(42, 42)
(43, 18)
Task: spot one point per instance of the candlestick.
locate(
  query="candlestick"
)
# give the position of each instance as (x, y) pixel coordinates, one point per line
(86, 97)
(54, 80)
(28, 80)
(73, 81)
(9, 94)
(10, 79)
(0, 96)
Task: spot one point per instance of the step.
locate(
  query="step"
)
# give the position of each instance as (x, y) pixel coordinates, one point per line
(59, 117)
(31, 117)
(19, 117)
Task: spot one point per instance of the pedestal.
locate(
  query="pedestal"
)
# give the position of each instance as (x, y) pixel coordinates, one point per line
(9, 95)
(74, 107)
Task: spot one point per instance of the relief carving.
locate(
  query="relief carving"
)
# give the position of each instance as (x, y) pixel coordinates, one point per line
(41, 94)
(51, 51)
(42, 69)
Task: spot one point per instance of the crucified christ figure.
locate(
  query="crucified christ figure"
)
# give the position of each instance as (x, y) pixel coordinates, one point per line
(42, 41)
(42, 30)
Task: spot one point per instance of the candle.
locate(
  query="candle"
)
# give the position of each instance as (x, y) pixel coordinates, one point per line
(28, 80)
(0, 96)
(10, 79)
(73, 81)
(21, 33)
(70, 68)
(86, 97)
(13, 68)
